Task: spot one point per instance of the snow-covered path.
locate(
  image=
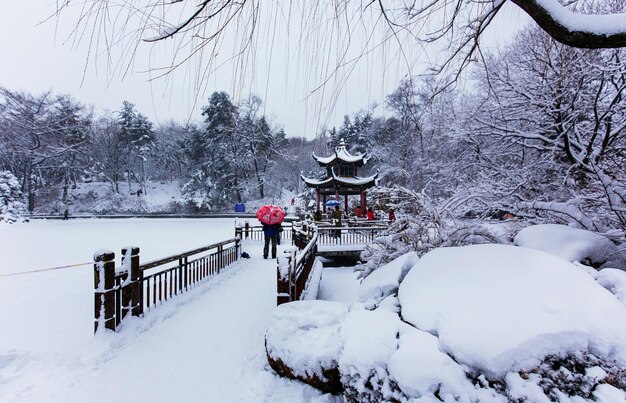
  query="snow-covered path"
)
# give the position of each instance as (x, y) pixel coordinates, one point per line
(205, 345)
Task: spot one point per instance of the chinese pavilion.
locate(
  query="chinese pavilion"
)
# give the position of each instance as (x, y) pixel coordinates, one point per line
(341, 177)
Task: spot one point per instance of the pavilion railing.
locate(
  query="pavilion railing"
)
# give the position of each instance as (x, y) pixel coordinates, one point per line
(362, 235)
(134, 288)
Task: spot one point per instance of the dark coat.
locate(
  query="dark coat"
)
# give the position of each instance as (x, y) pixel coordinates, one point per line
(271, 230)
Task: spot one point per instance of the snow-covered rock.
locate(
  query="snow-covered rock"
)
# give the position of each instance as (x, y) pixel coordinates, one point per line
(572, 244)
(385, 280)
(303, 342)
(501, 309)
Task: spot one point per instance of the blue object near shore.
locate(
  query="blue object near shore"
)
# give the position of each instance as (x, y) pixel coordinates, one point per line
(240, 208)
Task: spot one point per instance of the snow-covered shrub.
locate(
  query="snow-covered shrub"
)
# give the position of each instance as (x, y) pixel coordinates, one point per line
(421, 229)
(11, 205)
(576, 374)
(572, 244)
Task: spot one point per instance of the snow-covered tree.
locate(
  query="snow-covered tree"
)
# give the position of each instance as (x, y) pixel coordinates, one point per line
(40, 137)
(558, 117)
(11, 204)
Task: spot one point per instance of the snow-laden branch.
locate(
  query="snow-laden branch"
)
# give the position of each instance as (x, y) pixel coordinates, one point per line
(589, 31)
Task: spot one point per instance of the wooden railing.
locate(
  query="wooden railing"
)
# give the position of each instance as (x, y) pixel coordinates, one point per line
(349, 235)
(294, 267)
(133, 288)
(255, 232)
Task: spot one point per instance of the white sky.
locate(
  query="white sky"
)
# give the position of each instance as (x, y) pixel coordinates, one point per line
(37, 58)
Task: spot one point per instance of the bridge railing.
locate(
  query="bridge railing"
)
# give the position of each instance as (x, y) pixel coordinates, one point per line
(255, 232)
(294, 267)
(133, 288)
(361, 235)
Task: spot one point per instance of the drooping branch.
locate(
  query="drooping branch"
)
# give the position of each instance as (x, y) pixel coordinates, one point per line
(589, 31)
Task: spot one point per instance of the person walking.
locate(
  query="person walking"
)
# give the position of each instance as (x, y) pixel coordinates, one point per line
(392, 215)
(337, 217)
(370, 214)
(271, 233)
(317, 216)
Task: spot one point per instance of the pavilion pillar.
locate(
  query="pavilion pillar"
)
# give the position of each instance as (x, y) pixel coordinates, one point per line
(324, 201)
(337, 194)
(317, 194)
(363, 201)
(346, 203)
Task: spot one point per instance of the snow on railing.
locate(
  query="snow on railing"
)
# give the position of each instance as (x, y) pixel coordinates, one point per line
(294, 267)
(133, 288)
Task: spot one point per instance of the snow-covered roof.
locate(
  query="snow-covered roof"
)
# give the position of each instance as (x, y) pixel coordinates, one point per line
(342, 154)
(341, 180)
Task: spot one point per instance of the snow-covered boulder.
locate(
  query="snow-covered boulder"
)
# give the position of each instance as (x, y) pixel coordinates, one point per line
(385, 280)
(303, 342)
(572, 244)
(501, 309)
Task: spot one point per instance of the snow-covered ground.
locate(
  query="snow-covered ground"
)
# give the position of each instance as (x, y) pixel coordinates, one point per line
(204, 345)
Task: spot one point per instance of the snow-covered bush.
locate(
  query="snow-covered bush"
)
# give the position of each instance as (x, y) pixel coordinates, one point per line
(572, 244)
(421, 229)
(11, 204)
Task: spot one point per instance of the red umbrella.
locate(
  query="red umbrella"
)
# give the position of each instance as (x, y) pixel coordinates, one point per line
(271, 214)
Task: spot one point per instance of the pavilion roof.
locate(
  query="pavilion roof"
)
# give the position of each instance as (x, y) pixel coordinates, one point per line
(346, 181)
(342, 154)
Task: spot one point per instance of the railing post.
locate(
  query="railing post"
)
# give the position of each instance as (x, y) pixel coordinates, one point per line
(247, 229)
(238, 230)
(283, 279)
(220, 257)
(136, 281)
(104, 285)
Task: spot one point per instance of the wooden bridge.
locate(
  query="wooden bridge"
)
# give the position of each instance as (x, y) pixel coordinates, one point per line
(132, 288)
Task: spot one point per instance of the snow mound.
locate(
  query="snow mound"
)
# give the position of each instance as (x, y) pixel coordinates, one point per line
(615, 281)
(421, 369)
(303, 341)
(501, 308)
(385, 280)
(370, 338)
(572, 244)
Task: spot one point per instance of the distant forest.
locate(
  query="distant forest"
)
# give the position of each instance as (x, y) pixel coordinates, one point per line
(541, 132)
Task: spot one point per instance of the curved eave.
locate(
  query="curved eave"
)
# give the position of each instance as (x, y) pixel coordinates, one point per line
(366, 182)
(315, 182)
(359, 161)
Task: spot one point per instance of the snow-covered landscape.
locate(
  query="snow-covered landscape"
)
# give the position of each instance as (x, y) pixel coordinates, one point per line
(342, 201)
(468, 315)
